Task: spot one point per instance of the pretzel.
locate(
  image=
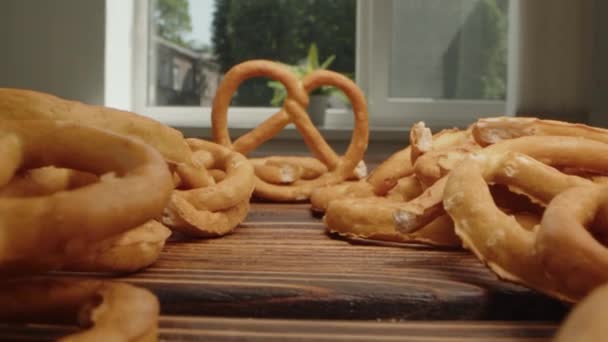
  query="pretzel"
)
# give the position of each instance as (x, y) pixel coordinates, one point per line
(563, 229)
(399, 165)
(492, 130)
(388, 174)
(435, 164)
(130, 251)
(287, 170)
(108, 311)
(586, 321)
(371, 218)
(21, 104)
(495, 238)
(218, 208)
(293, 111)
(90, 213)
(45, 231)
(407, 193)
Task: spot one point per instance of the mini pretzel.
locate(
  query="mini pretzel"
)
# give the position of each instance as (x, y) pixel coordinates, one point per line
(496, 238)
(340, 168)
(216, 209)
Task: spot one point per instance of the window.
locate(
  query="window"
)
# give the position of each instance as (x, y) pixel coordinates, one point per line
(442, 61)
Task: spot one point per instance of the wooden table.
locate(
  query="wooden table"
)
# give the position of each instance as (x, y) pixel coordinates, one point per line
(280, 276)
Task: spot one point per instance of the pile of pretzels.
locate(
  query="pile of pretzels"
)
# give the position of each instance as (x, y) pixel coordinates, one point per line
(528, 197)
(90, 188)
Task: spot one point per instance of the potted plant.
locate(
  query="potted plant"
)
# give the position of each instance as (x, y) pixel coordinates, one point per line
(319, 98)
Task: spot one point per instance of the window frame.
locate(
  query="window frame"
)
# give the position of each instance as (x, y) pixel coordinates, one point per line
(374, 23)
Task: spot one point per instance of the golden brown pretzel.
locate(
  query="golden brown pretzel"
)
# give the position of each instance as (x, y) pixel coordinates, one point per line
(371, 218)
(286, 170)
(495, 237)
(388, 174)
(130, 251)
(47, 231)
(108, 311)
(492, 130)
(89, 213)
(586, 321)
(218, 208)
(21, 104)
(567, 225)
(340, 168)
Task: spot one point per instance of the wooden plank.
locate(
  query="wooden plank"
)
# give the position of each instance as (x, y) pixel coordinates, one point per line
(281, 264)
(179, 328)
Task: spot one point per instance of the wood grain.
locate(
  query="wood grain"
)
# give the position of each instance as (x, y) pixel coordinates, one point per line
(281, 277)
(180, 328)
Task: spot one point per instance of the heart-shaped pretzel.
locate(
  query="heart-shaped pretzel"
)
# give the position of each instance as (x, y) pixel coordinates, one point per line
(293, 111)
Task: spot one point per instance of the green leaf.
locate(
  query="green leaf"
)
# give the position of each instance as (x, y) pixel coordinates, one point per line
(328, 62)
(313, 58)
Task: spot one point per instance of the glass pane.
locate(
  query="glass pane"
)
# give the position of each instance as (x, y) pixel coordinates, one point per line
(193, 42)
(449, 49)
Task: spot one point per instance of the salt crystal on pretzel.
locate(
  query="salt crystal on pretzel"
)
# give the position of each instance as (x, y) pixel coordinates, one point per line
(293, 111)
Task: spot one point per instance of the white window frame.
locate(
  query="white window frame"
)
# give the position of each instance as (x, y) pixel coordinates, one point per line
(373, 56)
(372, 76)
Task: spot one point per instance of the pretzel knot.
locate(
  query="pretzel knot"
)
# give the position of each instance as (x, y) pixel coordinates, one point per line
(218, 205)
(293, 111)
(559, 257)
